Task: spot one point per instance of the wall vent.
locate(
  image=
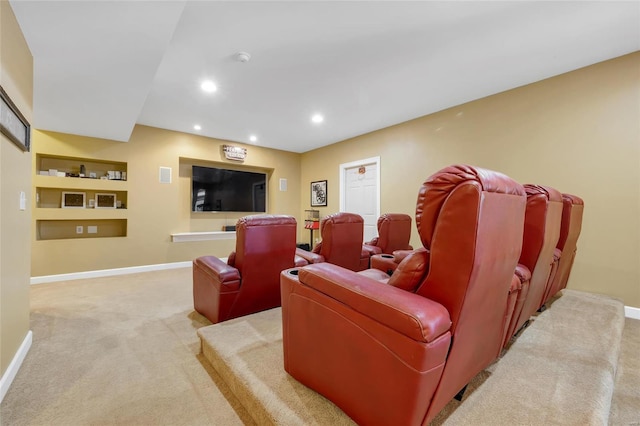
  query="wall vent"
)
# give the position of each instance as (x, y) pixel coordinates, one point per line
(165, 174)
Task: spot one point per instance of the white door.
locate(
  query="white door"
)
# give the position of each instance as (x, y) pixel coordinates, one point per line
(360, 192)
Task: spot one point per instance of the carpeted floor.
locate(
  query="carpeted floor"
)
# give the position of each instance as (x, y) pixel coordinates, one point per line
(124, 351)
(117, 350)
(559, 371)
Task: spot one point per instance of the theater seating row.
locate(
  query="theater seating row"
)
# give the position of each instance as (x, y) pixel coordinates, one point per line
(342, 235)
(249, 281)
(396, 349)
(394, 344)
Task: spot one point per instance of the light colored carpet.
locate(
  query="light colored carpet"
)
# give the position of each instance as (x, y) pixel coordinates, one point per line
(559, 371)
(117, 350)
(625, 407)
(124, 351)
(247, 352)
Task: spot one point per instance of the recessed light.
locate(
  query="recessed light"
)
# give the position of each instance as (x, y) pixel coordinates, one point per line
(208, 86)
(197, 127)
(317, 118)
(253, 138)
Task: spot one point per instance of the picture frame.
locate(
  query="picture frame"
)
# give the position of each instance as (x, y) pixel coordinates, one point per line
(73, 200)
(105, 201)
(319, 193)
(13, 124)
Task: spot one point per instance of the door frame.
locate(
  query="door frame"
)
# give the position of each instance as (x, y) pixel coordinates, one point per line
(352, 164)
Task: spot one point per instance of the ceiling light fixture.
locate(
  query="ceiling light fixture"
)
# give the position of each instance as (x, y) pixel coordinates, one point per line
(208, 86)
(197, 127)
(317, 118)
(243, 57)
(253, 138)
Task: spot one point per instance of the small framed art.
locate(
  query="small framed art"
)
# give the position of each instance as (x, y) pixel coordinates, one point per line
(73, 200)
(105, 201)
(13, 124)
(319, 193)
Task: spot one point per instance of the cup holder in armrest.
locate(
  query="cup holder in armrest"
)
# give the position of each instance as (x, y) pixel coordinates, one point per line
(293, 272)
(387, 256)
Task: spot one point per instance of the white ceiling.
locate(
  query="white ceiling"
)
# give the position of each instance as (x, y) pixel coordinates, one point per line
(100, 67)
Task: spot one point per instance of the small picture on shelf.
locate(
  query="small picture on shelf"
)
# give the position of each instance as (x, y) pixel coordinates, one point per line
(105, 201)
(73, 200)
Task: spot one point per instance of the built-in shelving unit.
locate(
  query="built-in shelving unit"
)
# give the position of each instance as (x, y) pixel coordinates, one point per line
(85, 182)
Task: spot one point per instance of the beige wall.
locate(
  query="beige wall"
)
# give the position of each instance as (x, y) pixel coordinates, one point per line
(155, 210)
(16, 77)
(578, 132)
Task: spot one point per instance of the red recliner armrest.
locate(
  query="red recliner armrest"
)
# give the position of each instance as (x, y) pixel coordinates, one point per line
(372, 249)
(222, 276)
(414, 316)
(389, 262)
(215, 286)
(309, 256)
(384, 262)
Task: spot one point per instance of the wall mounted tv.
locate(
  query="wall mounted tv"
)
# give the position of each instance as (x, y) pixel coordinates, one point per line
(222, 190)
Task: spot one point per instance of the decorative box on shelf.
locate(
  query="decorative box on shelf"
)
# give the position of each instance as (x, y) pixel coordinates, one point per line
(312, 219)
(312, 222)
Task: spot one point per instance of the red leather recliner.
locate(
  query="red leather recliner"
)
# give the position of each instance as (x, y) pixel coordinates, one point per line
(541, 231)
(571, 225)
(394, 233)
(342, 235)
(517, 296)
(388, 355)
(250, 281)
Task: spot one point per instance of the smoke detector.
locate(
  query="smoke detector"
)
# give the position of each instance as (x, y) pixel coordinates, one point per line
(243, 57)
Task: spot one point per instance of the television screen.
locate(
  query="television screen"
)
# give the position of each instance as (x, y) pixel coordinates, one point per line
(223, 190)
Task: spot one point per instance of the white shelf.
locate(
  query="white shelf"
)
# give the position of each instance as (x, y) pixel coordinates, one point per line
(79, 183)
(183, 237)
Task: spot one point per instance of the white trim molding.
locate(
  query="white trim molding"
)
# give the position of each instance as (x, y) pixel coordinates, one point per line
(14, 366)
(182, 237)
(631, 312)
(108, 272)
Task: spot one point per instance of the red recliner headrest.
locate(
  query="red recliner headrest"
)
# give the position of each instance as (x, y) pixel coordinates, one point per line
(341, 217)
(573, 199)
(396, 217)
(264, 219)
(434, 192)
(549, 193)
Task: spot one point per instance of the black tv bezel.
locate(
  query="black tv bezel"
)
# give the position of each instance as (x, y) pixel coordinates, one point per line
(251, 171)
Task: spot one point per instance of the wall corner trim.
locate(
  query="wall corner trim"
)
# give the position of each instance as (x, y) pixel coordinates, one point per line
(14, 366)
(631, 312)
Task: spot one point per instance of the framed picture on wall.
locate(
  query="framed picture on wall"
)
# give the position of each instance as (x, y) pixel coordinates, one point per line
(13, 124)
(319, 193)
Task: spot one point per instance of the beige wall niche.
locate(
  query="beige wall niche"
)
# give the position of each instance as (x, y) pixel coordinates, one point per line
(16, 77)
(577, 132)
(156, 210)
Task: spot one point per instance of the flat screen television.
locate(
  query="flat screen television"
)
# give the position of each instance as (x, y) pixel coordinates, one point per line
(223, 190)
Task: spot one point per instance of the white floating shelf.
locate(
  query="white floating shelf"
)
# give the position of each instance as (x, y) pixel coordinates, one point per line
(184, 237)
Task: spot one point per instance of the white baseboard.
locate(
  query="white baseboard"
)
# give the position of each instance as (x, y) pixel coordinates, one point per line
(14, 366)
(108, 272)
(631, 312)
